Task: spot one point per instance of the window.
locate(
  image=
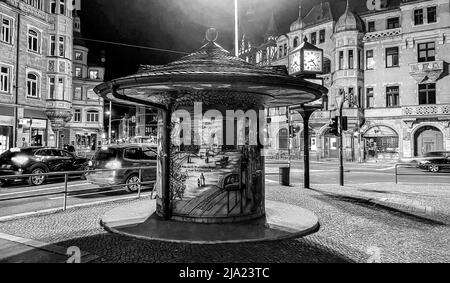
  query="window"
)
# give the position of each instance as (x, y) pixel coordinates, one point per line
(32, 85)
(149, 154)
(295, 41)
(285, 49)
(360, 60)
(393, 23)
(92, 117)
(93, 74)
(351, 59)
(427, 52)
(314, 38)
(392, 96)
(77, 115)
(326, 66)
(6, 30)
(78, 72)
(427, 94)
(132, 153)
(53, 6)
(341, 60)
(61, 91)
(370, 62)
(431, 15)
(360, 98)
(280, 54)
(78, 56)
(369, 98)
(5, 79)
(418, 17)
(62, 7)
(392, 57)
(51, 87)
(78, 93)
(61, 46)
(371, 26)
(52, 45)
(33, 40)
(351, 97)
(35, 3)
(322, 36)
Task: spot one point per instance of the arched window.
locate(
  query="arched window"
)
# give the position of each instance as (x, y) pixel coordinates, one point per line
(33, 85)
(33, 40)
(92, 116)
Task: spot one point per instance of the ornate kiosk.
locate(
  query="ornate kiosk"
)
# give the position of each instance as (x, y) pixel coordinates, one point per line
(210, 148)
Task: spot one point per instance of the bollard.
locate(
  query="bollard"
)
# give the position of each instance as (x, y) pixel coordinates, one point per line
(66, 179)
(285, 176)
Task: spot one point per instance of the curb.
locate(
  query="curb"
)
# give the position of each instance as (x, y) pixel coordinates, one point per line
(425, 212)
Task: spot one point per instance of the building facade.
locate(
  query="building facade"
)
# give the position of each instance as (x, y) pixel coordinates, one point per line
(36, 74)
(86, 129)
(391, 62)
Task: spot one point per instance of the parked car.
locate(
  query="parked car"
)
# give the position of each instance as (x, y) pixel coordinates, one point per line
(435, 161)
(425, 157)
(38, 160)
(118, 158)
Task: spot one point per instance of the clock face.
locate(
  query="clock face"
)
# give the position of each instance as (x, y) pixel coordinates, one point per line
(295, 63)
(312, 61)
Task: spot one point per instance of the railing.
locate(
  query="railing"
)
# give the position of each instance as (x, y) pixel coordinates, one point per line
(383, 34)
(66, 193)
(426, 110)
(409, 165)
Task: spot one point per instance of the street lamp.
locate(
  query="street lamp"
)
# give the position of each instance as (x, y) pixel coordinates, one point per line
(340, 99)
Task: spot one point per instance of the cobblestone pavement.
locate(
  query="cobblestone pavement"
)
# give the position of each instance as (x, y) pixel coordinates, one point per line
(350, 232)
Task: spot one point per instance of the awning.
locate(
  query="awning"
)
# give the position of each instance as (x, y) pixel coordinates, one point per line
(379, 132)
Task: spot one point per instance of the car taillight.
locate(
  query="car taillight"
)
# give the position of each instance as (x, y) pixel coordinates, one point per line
(113, 165)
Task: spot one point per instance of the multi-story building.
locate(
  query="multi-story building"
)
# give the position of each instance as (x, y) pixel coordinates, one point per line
(36, 85)
(85, 131)
(391, 60)
(36, 70)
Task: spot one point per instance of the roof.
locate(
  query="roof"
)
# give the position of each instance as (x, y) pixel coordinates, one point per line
(211, 75)
(349, 21)
(318, 14)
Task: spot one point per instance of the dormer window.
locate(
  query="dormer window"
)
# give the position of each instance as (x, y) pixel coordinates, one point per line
(371, 26)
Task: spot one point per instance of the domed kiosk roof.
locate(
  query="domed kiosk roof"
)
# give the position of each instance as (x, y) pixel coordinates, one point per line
(211, 71)
(348, 21)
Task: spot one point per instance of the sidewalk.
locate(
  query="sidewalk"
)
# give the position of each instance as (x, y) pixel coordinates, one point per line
(15, 249)
(427, 201)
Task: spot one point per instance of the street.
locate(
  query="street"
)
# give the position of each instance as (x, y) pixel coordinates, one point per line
(328, 173)
(19, 198)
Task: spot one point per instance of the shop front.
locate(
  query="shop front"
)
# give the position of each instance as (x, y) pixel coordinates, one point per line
(381, 143)
(6, 128)
(86, 142)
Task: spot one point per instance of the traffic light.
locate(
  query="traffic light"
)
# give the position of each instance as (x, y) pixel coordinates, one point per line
(345, 123)
(334, 126)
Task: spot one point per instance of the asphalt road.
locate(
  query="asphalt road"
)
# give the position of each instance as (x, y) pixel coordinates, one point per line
(328, 173)
(22, 199)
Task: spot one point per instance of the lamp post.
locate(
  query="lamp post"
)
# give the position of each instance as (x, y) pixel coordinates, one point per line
(340, 99)
(236, 28)
(109, 113)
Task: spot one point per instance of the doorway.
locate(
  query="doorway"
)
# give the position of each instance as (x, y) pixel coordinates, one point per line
(428, 139)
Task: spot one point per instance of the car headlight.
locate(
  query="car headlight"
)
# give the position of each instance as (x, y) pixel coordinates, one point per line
(20, 160)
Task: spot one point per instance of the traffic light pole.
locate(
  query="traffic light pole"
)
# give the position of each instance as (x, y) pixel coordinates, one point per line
(341, 146)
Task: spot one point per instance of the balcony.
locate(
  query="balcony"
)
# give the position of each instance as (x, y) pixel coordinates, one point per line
(383, 34)
(58, 104)
(430, 71)
(422, 111)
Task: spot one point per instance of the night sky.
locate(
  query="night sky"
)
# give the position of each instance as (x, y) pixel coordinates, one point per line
(178, 25)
